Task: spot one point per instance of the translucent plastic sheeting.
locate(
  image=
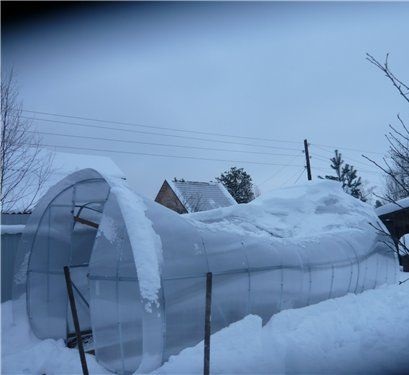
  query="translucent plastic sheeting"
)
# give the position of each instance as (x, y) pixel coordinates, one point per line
(251, 275)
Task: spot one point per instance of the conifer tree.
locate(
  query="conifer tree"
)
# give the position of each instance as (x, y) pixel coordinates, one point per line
(348, 176)
(238, 183)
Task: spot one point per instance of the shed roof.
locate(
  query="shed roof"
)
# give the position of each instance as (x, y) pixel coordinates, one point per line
(392, 207)
(201, 196)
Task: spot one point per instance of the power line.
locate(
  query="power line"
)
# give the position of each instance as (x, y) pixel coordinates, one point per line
(302, 172)
(320, 158)
(359, 170)
(186, 130)
(280, 169)
(345, 148)
(157, 144)
(349, 158)
(292, 176)
(163, 155)
(157, 127)
(159, 134)
(324, 160)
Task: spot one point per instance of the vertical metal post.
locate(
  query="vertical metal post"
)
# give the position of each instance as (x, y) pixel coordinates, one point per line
(307, 159)
(75, 319)
(208, 319)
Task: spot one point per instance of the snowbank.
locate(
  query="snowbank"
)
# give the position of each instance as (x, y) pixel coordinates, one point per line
(23, 353)
(365, 333)
(307, 210)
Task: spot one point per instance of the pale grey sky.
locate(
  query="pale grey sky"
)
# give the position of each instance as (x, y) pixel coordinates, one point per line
(284, 71)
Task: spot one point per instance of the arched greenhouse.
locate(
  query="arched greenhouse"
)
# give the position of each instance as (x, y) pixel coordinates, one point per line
(140, 271)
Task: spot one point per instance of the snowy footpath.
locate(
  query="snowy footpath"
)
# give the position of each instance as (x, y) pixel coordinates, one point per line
(365, 333)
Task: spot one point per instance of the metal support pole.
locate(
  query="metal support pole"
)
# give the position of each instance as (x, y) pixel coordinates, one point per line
(75, 319)
(307, 160)
(208, 319)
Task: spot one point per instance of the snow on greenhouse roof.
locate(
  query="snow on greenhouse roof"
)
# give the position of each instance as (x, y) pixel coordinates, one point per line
(394, 206)
(62, 165)
(201, 196)
(299, 211)
(146, 243)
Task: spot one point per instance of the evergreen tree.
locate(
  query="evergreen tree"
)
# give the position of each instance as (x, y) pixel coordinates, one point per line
(378, 203)
(238, 183)
(348, 176)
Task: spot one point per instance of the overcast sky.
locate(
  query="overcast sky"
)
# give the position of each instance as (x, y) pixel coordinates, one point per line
(273, 71)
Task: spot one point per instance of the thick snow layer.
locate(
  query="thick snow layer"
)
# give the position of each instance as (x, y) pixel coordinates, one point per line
(23, 353)
(146, 244)
(365, 333)
(301, 211)
(12, 229)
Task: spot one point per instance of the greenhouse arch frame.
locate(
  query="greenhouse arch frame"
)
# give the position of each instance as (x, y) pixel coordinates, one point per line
(141, 268)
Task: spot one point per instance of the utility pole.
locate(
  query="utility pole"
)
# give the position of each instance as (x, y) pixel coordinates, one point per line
(307, 159)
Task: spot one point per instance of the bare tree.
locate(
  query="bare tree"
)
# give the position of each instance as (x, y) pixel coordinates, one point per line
(24, 166)
(395, 165)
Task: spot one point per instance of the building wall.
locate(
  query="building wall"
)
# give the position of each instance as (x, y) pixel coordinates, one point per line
(166, 197)
(9, 247)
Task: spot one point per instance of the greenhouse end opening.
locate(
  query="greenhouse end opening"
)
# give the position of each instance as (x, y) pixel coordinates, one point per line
(139, 269)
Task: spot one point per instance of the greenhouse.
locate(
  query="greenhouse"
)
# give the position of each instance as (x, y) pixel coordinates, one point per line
(140, 269)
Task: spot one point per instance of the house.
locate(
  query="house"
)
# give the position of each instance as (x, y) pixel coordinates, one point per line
(193, 196)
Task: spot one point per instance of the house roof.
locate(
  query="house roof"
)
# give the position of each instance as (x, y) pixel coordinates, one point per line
(63, 164)
(201, 196)
(392, 207)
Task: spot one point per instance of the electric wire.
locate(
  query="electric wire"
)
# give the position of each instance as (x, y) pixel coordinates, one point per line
(349, 158)
(163, 155)
(279, 170)
(292, 176)
(157, 144)
(344, 148)
(157, 127)
(319, 145)
(302, 172)
(160, 134)
(358, 169)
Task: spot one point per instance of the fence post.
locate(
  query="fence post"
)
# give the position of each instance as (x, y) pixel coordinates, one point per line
(208, 314)
(75, 319)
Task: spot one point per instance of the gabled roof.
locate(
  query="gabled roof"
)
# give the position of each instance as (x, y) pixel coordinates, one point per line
(201, 196)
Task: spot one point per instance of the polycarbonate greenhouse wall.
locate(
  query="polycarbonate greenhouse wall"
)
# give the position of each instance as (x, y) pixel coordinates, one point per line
(131, 332)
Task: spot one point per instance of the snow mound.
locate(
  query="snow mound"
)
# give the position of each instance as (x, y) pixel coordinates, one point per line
(294, 212)
(23, 353)
(365, 333)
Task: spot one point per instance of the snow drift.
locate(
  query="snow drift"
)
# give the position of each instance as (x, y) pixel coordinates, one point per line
(302, 211)
(364, 333)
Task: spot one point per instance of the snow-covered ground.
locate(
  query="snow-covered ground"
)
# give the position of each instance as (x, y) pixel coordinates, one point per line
(366, 333)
